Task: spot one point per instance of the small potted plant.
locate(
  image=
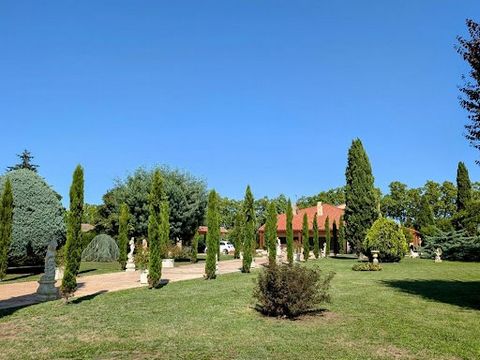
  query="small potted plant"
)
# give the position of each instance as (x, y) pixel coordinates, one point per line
(141, 260)
(60, 263)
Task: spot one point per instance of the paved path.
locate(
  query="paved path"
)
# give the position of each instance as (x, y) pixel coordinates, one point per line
(23, 293)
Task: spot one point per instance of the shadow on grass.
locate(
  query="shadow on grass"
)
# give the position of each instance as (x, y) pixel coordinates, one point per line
(465, 294)
(293, 317)
(12, 279)
(85, 271)
(81, 299)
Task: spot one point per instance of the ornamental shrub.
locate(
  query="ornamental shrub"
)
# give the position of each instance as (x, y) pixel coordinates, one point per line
(366, 266)
(291, 290)
(387, 237)
(102, 248)
(38, 217)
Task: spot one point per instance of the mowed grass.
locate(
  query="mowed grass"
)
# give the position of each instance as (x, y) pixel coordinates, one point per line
(33, 274)
(412, 310)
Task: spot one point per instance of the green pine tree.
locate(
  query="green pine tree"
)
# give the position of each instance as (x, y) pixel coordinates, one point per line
(74, 235)
(249, 238)
(361, 199)
(213, 235)
(123, 235)
(154, 238)
(335, 237)
(236, 235)
(6, 221)
(328, 237)
(305, 238)
(341, 237)
(289, 232)
(464, 187)
(425, 215)
(316, 242)
(271, 233)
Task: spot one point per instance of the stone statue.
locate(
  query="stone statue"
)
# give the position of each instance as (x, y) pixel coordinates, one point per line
(324, 250)
(46, 289)
(279, 250)
(438, 254)
(130, 262)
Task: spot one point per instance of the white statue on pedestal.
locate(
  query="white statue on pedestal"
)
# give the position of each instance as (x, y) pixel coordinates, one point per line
(324, 250)
(438, 254)
(130, 262)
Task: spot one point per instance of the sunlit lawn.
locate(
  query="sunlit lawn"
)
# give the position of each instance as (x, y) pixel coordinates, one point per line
(412, 310)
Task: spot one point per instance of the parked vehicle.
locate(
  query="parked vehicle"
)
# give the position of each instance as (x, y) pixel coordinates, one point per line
(226, 247)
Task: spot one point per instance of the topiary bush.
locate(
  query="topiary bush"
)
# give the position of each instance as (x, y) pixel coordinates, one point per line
(38, 217)
(367, 266)
(102, 248)
(291, 290)
(387, 237)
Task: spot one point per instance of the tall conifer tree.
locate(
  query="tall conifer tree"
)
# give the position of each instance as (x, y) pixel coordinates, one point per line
(341, 237)
(6, 221)
(74, 234)
(289, 232)
(154, 238)
(123, 235)
(271, 233)
(464, 187)
(249, 230)
(316, 241)
(328, 237)
(361, 200)
(305, 238)
(335, 237)
(213, 235)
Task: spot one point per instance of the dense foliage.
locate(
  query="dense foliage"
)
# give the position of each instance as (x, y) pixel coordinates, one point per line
(249, 233)
(316, 240)
(38, 217)
(213, 235)
(387, 237)
(469, 49)
(305, 238)
(6, 224)
(366, 266)
(464, 187)
(236, 234)
(73, 245)
(342, 244)
(291, 290)
(187, 198)
(102, 248)
(271, 233)
(156, 198)
(333, 196)
(123, 235)
(328, 237)
(289, 233)
(360, 196)
(455, 245)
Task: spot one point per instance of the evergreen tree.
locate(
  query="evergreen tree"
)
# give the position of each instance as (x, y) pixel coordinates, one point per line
(335, 238)
(123, 235)
(213, 235)
(328, 237)
(361, 199)
(316, 242)
(6, 221)
(305, 238)
(249, 237)
(271, 233)
(194, 254)
(74, 234)
(154, 237)
(464, 187)
(236, 235)
(25, 162)
(425, 215)
(289, 233)
(341, 237)
(164, 226)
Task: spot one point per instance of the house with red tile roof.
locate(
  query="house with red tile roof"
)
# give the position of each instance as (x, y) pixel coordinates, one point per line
(321, 211)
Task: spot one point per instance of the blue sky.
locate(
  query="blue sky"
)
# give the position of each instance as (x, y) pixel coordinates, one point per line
(266, 93)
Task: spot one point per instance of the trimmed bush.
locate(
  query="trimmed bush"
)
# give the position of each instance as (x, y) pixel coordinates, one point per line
(38, 217)
(387, 237)
(367, 266)
(291, 290)
(102, 248)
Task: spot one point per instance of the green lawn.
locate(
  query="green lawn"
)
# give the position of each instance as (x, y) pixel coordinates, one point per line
(412, 310)
(86, 268)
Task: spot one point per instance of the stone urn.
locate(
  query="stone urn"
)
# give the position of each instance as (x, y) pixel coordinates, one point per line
(168, 263)
(59, 270)
(144, 277)
(375, 256)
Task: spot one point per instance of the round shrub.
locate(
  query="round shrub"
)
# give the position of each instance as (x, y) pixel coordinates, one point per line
(387, 237)
(288, 291)
(38, 217)
(102, 249)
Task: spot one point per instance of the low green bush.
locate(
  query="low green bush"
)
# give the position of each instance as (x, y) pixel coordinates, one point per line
(367, 266)
(289, 291)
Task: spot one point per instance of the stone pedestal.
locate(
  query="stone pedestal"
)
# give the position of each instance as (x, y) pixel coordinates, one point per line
(144, 277)
(375, 257)
(168, 263)
(130, 266)
(59, 273)
(47, 291)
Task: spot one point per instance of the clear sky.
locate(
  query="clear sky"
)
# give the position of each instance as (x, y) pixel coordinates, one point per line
(266, 93)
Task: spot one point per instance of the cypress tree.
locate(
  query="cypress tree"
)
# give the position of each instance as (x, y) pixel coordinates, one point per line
(6, 221)
(464, 187)
(425, 214)
(213, 235)
(154, 237)
(335, 238)
(316, 242)
(305, 238)
(289, 232)
(164, 226)
(249, 238)
(341, 237)
(237, 234)
(328, 238)
(123, 235)
(271, 233)
(361, 200)
(194, 254)
(74, 235)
